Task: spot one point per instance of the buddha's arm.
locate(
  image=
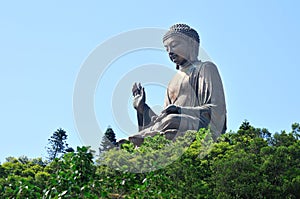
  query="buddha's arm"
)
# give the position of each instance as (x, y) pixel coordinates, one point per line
(144, 117)
(144, 112)
(197, 111)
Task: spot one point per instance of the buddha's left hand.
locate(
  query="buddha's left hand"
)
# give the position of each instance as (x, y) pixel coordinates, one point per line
(172, 109)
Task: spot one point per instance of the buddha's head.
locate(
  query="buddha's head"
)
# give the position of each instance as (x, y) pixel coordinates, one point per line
(182, 44)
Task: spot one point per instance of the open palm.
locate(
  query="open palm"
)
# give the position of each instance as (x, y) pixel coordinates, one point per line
(139, 95)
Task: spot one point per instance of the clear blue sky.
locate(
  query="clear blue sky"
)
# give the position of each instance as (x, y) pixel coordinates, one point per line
(44, 43)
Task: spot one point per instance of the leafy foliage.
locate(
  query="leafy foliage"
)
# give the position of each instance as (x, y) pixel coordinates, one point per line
(251, 163)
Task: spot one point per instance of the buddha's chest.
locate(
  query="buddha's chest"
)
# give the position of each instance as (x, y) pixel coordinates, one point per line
(179, 88)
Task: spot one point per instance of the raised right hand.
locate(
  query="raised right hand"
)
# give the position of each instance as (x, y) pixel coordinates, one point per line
(139, 97)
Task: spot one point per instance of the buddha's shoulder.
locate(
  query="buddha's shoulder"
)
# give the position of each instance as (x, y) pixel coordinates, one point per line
(205, 65)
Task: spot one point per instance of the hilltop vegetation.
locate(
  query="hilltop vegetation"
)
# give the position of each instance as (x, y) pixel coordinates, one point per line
(249, 163)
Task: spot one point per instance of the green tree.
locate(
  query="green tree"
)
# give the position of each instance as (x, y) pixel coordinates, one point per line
(296, 130)
(108, 140)
(73, 176)
(57, 144)
(21, 178)
(256, 164)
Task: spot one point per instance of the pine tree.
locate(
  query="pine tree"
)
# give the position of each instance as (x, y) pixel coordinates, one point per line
(58, 144)
(108, 140)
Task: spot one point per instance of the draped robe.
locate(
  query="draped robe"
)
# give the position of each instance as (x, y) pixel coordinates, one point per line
(198, 90)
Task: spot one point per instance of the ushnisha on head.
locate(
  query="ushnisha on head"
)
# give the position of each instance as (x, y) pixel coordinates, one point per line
(182, 43)
(183, 30)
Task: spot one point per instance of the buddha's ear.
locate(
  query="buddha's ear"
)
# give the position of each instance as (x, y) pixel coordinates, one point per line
(194, 49)
(177, 67)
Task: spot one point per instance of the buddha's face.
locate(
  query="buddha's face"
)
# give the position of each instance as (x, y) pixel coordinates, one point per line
(179, 49)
